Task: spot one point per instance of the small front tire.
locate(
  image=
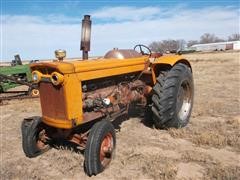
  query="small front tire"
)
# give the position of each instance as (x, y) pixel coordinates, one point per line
(100, 147)
(32, 137)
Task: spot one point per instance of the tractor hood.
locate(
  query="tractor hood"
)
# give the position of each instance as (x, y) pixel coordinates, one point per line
(78, 66)
(103, 67)
(62, 67)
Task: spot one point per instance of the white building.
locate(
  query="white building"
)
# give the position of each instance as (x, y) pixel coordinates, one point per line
(219, 46)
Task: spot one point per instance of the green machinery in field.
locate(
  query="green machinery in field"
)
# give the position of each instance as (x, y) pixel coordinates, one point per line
(16, 75)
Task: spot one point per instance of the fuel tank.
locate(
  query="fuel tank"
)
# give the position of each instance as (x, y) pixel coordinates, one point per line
(121, 54)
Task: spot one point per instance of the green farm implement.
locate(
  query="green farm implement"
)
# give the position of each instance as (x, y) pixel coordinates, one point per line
(16, 75)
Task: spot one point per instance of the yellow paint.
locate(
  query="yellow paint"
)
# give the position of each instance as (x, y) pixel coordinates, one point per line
(58, 123)
(75, 72)
(168, 59)
(59, 78)
(73, 97)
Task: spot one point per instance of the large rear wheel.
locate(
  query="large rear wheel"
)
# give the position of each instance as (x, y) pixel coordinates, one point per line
(173, 97)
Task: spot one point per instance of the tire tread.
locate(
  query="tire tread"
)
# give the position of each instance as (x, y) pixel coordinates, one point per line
(164, 96)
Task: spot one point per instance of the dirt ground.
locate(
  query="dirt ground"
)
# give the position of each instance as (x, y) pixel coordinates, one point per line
(208, 148)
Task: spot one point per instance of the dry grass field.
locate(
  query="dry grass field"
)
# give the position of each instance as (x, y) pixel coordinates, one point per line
(208, 148)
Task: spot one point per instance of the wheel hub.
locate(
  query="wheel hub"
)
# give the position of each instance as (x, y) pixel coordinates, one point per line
(184, 101)
(106, 150)
(42, 140)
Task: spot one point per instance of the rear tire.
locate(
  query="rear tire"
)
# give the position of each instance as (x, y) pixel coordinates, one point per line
(31, 131)
(100, 147)
(173, 98)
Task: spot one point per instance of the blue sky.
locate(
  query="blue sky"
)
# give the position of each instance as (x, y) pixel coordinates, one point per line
(34, 29)
(78, 7)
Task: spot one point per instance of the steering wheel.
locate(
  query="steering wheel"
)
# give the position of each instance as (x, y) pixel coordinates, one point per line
(141, 47)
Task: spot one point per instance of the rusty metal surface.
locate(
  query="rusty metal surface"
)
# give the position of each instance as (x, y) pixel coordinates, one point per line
(89, 116)
(122, 54)
(49, 135)
(52, 101)
(79, 139)
(119, 97)
(103, 112)
(103, 92)
(106, 149)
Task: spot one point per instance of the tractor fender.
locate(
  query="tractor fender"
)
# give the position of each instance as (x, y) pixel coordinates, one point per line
(167, 62)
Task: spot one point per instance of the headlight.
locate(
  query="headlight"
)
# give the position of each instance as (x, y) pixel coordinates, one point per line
(56, 78)
(36, 76)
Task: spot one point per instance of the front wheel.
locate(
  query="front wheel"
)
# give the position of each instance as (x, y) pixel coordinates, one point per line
(33, 137)
(173, 97)
(100, 147)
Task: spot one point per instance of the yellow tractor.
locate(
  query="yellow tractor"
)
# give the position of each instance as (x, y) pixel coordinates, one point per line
(80, 99)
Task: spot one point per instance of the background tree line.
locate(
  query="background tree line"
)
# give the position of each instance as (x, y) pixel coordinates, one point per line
(173, 45)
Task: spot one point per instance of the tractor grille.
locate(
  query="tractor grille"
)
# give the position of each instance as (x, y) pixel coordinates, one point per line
(52, 101)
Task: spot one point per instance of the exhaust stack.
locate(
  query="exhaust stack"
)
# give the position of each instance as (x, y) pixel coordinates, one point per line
(86, 36)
